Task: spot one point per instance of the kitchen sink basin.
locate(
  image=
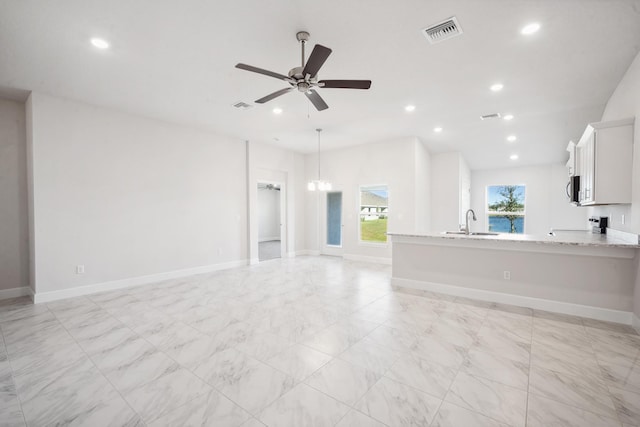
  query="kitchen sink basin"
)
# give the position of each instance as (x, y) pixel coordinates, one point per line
(476, 233)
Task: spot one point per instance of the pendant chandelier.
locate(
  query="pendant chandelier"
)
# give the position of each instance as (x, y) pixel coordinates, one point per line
(319, 184)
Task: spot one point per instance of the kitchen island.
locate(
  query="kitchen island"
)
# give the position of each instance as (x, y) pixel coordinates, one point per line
(579, 273)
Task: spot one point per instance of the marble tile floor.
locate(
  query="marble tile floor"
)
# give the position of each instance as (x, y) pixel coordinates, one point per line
(309, 341)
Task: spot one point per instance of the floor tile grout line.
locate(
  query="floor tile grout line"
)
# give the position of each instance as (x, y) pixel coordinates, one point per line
(526, 410)
(12, 380)
(453, 381)
(98, 369)
(611, 397)
(168, 356)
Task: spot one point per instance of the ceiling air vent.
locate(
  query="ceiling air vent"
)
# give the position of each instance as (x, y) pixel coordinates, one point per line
(490, 116)
(442, 31)
(242, 105)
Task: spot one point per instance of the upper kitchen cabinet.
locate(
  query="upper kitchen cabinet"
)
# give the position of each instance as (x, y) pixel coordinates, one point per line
(604, 163)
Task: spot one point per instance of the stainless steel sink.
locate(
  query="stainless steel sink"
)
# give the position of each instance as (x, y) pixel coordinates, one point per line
(475, 233)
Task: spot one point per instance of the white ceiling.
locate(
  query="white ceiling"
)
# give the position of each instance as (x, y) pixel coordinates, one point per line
(174, 60)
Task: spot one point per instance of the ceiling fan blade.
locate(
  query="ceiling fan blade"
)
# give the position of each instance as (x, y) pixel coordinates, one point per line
(317, 58)
(261, 71)
(316, 100)
(345, 84)
(274, 95)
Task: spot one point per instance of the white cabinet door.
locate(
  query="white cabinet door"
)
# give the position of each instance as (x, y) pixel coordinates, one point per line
(589, 169)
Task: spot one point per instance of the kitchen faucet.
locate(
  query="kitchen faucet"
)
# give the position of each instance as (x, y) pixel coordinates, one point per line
(466, 218)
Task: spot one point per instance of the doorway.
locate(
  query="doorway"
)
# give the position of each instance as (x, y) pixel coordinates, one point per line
(333, 224)
(269, 221)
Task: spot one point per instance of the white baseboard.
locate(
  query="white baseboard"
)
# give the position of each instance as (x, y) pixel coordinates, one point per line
(304, 252)
(40, 297)
(269, 239)
(254, 261)
(22, 291)
(363, 258)
(591, 312)
(635, 322)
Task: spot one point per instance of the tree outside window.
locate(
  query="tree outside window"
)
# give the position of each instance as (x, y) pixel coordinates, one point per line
(506, 208)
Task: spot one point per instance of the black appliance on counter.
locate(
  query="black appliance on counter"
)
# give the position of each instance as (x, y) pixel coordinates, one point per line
(599, 224)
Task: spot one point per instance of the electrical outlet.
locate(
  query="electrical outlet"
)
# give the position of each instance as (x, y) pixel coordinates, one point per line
(79, 269)
(507, 275)
(622, 219)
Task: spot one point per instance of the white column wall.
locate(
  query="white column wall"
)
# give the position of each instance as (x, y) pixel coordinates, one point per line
(14, 227)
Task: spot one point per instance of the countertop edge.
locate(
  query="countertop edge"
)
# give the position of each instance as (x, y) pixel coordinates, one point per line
(539, 240)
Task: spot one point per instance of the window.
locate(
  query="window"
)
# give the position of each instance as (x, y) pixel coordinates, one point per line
(506, 208)
(374, 211)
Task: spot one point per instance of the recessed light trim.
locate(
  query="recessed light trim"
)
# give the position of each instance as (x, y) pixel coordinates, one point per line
(277, 110)
(437, 129)
(531, 28)
(410, 108)
(511, 138)
(496, 87)
(508, 117)
(513, 157)
(100, 43)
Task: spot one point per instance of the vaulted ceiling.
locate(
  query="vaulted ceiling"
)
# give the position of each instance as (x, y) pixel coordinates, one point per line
(174, 60)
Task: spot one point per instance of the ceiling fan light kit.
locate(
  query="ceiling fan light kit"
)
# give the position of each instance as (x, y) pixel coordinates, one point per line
(305, 78)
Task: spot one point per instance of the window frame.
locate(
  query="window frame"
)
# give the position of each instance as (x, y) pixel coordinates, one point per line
(359, 215)
(487, 212)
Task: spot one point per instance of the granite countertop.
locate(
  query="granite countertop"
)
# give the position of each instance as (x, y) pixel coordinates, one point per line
(614, 238)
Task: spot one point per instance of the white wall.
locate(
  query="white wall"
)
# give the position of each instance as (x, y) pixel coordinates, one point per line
(268, 214)
(392, 163)
(14, 227)
(423, 196)
(127, 196)
(465, 189)
(625, 102)
(546, 204)
(445, 191)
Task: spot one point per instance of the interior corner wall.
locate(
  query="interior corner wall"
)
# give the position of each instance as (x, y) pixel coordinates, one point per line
(546, 204)
(625, 103)
(422, 188)
(275, 164)
(445, 191)
(129, 197)
(14, 226)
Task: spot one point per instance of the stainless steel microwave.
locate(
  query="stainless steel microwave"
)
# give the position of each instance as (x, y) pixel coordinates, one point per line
(573, 189)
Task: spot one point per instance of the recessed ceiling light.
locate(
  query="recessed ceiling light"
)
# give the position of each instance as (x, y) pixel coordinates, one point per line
(513, 157)
(277, 110)
(511, 138)
(100, 43)
(508, 117)
(530, 28)
(496, 87)
(410, 108)
(437, 129)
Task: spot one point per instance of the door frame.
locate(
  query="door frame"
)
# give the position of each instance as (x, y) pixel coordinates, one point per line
(283, 215)
(326, 249)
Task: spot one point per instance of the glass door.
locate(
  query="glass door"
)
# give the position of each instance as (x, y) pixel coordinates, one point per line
(333, 224)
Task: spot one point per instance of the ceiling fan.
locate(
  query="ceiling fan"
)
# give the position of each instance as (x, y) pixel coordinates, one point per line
(305, 77)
